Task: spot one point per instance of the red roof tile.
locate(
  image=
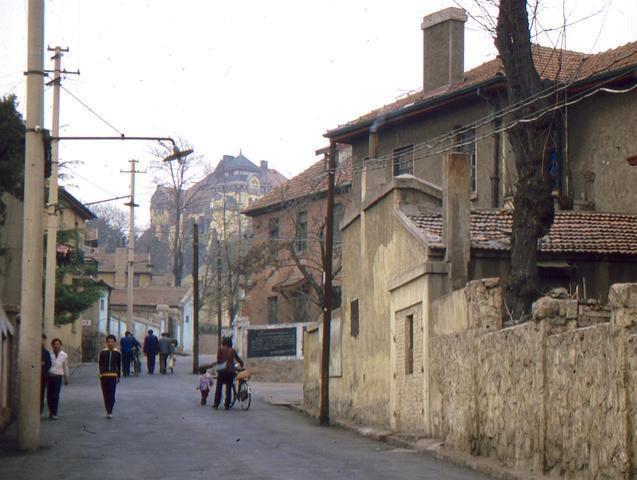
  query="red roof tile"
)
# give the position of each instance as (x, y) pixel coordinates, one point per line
(572, 231)
(551, 64)
(309, 182)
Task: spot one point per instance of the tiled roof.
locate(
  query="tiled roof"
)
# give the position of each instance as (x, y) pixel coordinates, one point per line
(551, 64)
(310, 181)
(151, 296)
(571, 232)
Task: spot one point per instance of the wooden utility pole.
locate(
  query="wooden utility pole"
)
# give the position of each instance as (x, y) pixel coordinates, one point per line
(324, 415)
(130, 272)
(32, 231)
(53, 207)
(195, 297)
(218, 242)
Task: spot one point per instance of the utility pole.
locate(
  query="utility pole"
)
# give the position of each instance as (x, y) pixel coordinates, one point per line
(324, 415)
(195, 297)
(218, 290)
(130, 272)
(52, 207)
(32, 231)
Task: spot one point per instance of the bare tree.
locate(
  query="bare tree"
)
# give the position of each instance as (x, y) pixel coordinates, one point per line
(112, 226)
(175, 179)
(299, 250)
(531, 142)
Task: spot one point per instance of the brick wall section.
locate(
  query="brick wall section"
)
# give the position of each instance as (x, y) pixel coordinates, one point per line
(557, 395)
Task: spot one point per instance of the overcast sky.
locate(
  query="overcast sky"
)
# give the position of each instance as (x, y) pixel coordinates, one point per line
(268, 77)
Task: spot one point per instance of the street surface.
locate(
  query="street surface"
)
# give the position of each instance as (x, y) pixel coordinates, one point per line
(160, 431)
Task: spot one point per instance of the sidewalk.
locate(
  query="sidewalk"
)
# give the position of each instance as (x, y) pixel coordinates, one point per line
(292, 397)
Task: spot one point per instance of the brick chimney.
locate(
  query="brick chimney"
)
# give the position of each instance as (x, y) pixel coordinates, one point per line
(264, 165)
(456, 207)
(443, 47)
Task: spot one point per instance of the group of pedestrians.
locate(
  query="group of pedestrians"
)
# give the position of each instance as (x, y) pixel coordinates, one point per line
(165, 347)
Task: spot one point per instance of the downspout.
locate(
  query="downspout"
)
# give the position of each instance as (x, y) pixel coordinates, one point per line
(495, 180)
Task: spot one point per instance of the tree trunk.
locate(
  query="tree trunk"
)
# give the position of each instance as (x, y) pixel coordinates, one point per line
(177, 267)
(533, 204)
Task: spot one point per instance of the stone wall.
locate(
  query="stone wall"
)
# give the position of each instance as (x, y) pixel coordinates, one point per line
(557, 395)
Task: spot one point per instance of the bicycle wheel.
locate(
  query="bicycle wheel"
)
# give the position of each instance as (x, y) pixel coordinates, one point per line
(245, 395)
(233, 396)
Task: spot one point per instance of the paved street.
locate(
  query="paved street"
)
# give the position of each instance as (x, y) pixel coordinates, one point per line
(160, 431)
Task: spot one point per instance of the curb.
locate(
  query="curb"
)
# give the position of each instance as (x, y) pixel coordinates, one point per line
(426, 446)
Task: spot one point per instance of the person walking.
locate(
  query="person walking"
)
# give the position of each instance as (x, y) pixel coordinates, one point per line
(151, 348)
(58, 373)
(205, 382)
(45, 366)
(164, 352)
(110, 367)
(226, 355)
(135, 357)
(126, 350)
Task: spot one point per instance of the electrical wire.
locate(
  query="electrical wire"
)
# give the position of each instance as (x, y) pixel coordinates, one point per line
(388, 159)
(90, 109)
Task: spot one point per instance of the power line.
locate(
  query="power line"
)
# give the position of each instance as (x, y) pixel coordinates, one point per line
(388, 159)
(91, 110)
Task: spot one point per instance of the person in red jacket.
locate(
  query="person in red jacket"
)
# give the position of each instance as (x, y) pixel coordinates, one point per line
(226, 357)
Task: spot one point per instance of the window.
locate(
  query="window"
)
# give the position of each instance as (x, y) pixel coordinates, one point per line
(339, 213)
(300, 303)
(409, 344)
(353, 318)
(466, 143)
(273, 309)
(273, 229)
(136, 280)
(403, 160)
(102, 304)
(301, 232)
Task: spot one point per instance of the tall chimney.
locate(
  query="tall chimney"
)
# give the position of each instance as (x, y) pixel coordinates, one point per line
(264, 164)
(456, 207)
(443, 47)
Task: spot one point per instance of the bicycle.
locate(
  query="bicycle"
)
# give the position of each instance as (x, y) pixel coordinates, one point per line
(241, 389)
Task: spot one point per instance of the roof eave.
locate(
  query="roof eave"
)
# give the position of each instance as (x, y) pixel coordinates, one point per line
(348, 131)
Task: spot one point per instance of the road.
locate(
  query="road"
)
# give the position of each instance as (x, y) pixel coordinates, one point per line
(160, 431)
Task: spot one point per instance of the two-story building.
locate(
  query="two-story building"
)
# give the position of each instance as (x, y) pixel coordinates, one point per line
(432, 174)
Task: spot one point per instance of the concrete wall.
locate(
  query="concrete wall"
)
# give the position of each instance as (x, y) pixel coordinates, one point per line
(375, 248)
(601, 136)
(428, 166)
(556, 395)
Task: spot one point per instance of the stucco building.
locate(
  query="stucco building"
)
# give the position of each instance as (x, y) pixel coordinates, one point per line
(433, 173)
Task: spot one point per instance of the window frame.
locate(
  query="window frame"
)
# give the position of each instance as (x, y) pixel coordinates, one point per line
(400, 157)
(273, 320)
(354, 318)
(300, 241)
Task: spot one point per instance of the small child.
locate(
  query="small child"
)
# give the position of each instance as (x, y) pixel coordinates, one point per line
(205, 382)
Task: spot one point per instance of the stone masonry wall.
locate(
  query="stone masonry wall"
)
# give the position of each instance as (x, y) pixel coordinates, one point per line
(557, 395)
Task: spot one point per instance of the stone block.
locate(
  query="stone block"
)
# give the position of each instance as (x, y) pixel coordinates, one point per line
(624, 317)
(622, 295)
(545, 307)
(571, 309)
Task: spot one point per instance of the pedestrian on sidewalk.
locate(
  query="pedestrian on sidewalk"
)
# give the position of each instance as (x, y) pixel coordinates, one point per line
(126, 349)
(164, 352)
(205, 382)
(45, 366)
(58, 373)
(226, 355)
(110, 365)
(151, 348)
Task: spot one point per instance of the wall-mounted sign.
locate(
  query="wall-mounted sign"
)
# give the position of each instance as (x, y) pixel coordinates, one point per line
(86, 322)
(272, 342)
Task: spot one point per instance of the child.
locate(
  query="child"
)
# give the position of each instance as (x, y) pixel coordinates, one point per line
(205, 382)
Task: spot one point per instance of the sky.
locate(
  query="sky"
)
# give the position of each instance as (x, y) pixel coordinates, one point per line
(265, 77)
